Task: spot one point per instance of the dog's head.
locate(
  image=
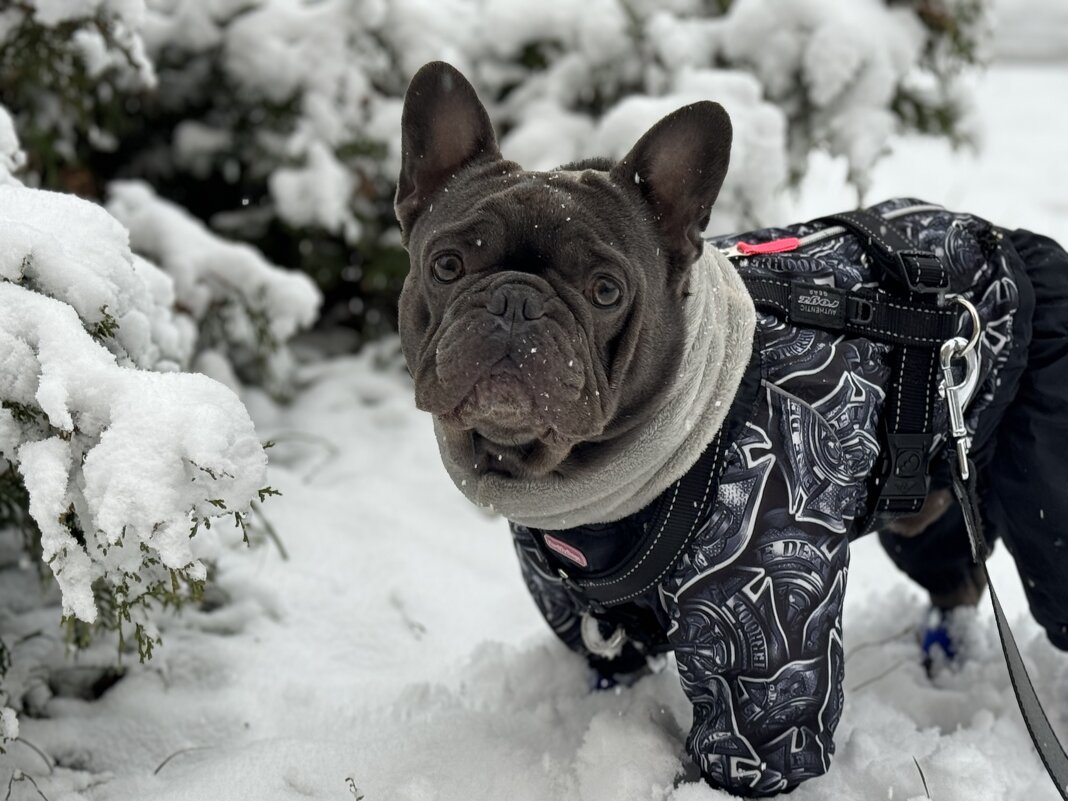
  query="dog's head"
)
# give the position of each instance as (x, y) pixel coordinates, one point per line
(544, 310)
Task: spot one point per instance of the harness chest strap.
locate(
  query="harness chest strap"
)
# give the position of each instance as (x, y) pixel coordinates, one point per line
(681, 508)
(921, 280)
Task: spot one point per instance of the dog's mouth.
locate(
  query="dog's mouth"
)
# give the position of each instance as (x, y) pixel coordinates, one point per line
(514, 423)
(502, 408)
(511, 402)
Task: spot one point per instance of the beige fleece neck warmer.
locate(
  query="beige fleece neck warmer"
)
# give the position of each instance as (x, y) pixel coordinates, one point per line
(628, 473)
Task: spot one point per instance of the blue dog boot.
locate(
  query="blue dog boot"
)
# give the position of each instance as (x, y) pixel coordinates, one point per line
(937, 641)
(599, 682)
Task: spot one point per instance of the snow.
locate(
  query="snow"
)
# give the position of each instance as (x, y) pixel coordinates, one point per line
(319, 192)
(195, 144)
(9, 724)
(86, 263)
(135, 456)
(561, 80)
(758, 165)
(127, 449)
(124, 19)
(1016, 178)
(397, 648)
(261, 305)
(847, 63)
(11, 156)
(1031, 30)
(54, 12)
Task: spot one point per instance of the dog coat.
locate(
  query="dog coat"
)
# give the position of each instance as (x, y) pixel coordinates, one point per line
(748, 592)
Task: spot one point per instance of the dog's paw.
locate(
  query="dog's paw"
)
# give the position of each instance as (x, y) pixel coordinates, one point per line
(939, 650)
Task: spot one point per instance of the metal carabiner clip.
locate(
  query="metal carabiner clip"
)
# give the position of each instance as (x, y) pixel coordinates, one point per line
(958, 394)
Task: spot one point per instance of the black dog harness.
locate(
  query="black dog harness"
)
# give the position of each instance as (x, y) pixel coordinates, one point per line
(911, 314)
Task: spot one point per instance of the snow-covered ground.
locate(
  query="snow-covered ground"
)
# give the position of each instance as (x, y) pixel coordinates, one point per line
(396, 655)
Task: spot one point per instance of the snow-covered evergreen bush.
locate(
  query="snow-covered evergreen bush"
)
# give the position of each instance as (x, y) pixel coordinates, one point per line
(75, 73)
(277, 121)
(66, 69)
(113, 462)
(119, 462)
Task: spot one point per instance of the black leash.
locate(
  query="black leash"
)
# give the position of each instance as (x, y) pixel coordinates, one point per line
(1049, 747)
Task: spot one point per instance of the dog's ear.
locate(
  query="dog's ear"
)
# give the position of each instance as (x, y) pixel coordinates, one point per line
(443, 127)
(679, 166)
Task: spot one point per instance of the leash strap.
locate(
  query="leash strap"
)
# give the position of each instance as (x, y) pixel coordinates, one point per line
(1049, 748)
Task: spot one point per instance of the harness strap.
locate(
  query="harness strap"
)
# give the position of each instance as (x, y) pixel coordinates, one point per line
(879, 317)
(683, 505)
(681, 509)
(915, 270)
(919, 279)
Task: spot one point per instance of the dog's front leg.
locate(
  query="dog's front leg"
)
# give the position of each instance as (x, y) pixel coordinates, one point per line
(756, 604)
(759, 652)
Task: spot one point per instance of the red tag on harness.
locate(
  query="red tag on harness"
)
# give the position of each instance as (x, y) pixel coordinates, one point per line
(774, 246)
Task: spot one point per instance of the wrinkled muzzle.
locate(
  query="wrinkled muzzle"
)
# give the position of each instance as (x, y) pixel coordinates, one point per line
(511, 362)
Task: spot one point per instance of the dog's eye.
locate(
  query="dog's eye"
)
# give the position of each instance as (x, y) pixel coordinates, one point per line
(447, 268)
(605, 292)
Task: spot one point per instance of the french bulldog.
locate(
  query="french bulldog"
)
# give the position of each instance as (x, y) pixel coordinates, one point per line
(595, 371)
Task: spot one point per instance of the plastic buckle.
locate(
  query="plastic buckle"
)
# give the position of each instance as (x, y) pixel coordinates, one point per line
(859, 311)
(904, 482)
(923, 271)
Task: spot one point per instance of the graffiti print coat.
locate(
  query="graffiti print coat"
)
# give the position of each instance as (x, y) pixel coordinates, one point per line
(752, 606)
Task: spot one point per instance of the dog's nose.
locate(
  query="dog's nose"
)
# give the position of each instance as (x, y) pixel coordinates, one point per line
(513, 301)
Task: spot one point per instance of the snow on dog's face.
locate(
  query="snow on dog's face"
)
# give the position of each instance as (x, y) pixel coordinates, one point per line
(544, 310)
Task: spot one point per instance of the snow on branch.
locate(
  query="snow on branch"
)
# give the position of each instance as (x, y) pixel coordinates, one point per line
(119, 463)
(73, 251)
(243, 305)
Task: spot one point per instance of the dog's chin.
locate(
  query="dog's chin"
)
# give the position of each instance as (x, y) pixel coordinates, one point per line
(500, 429)
(501, 409)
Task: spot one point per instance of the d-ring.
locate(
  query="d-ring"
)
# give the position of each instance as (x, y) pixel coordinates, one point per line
(977, 324)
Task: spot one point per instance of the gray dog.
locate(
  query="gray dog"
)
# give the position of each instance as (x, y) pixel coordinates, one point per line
(682, 471)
